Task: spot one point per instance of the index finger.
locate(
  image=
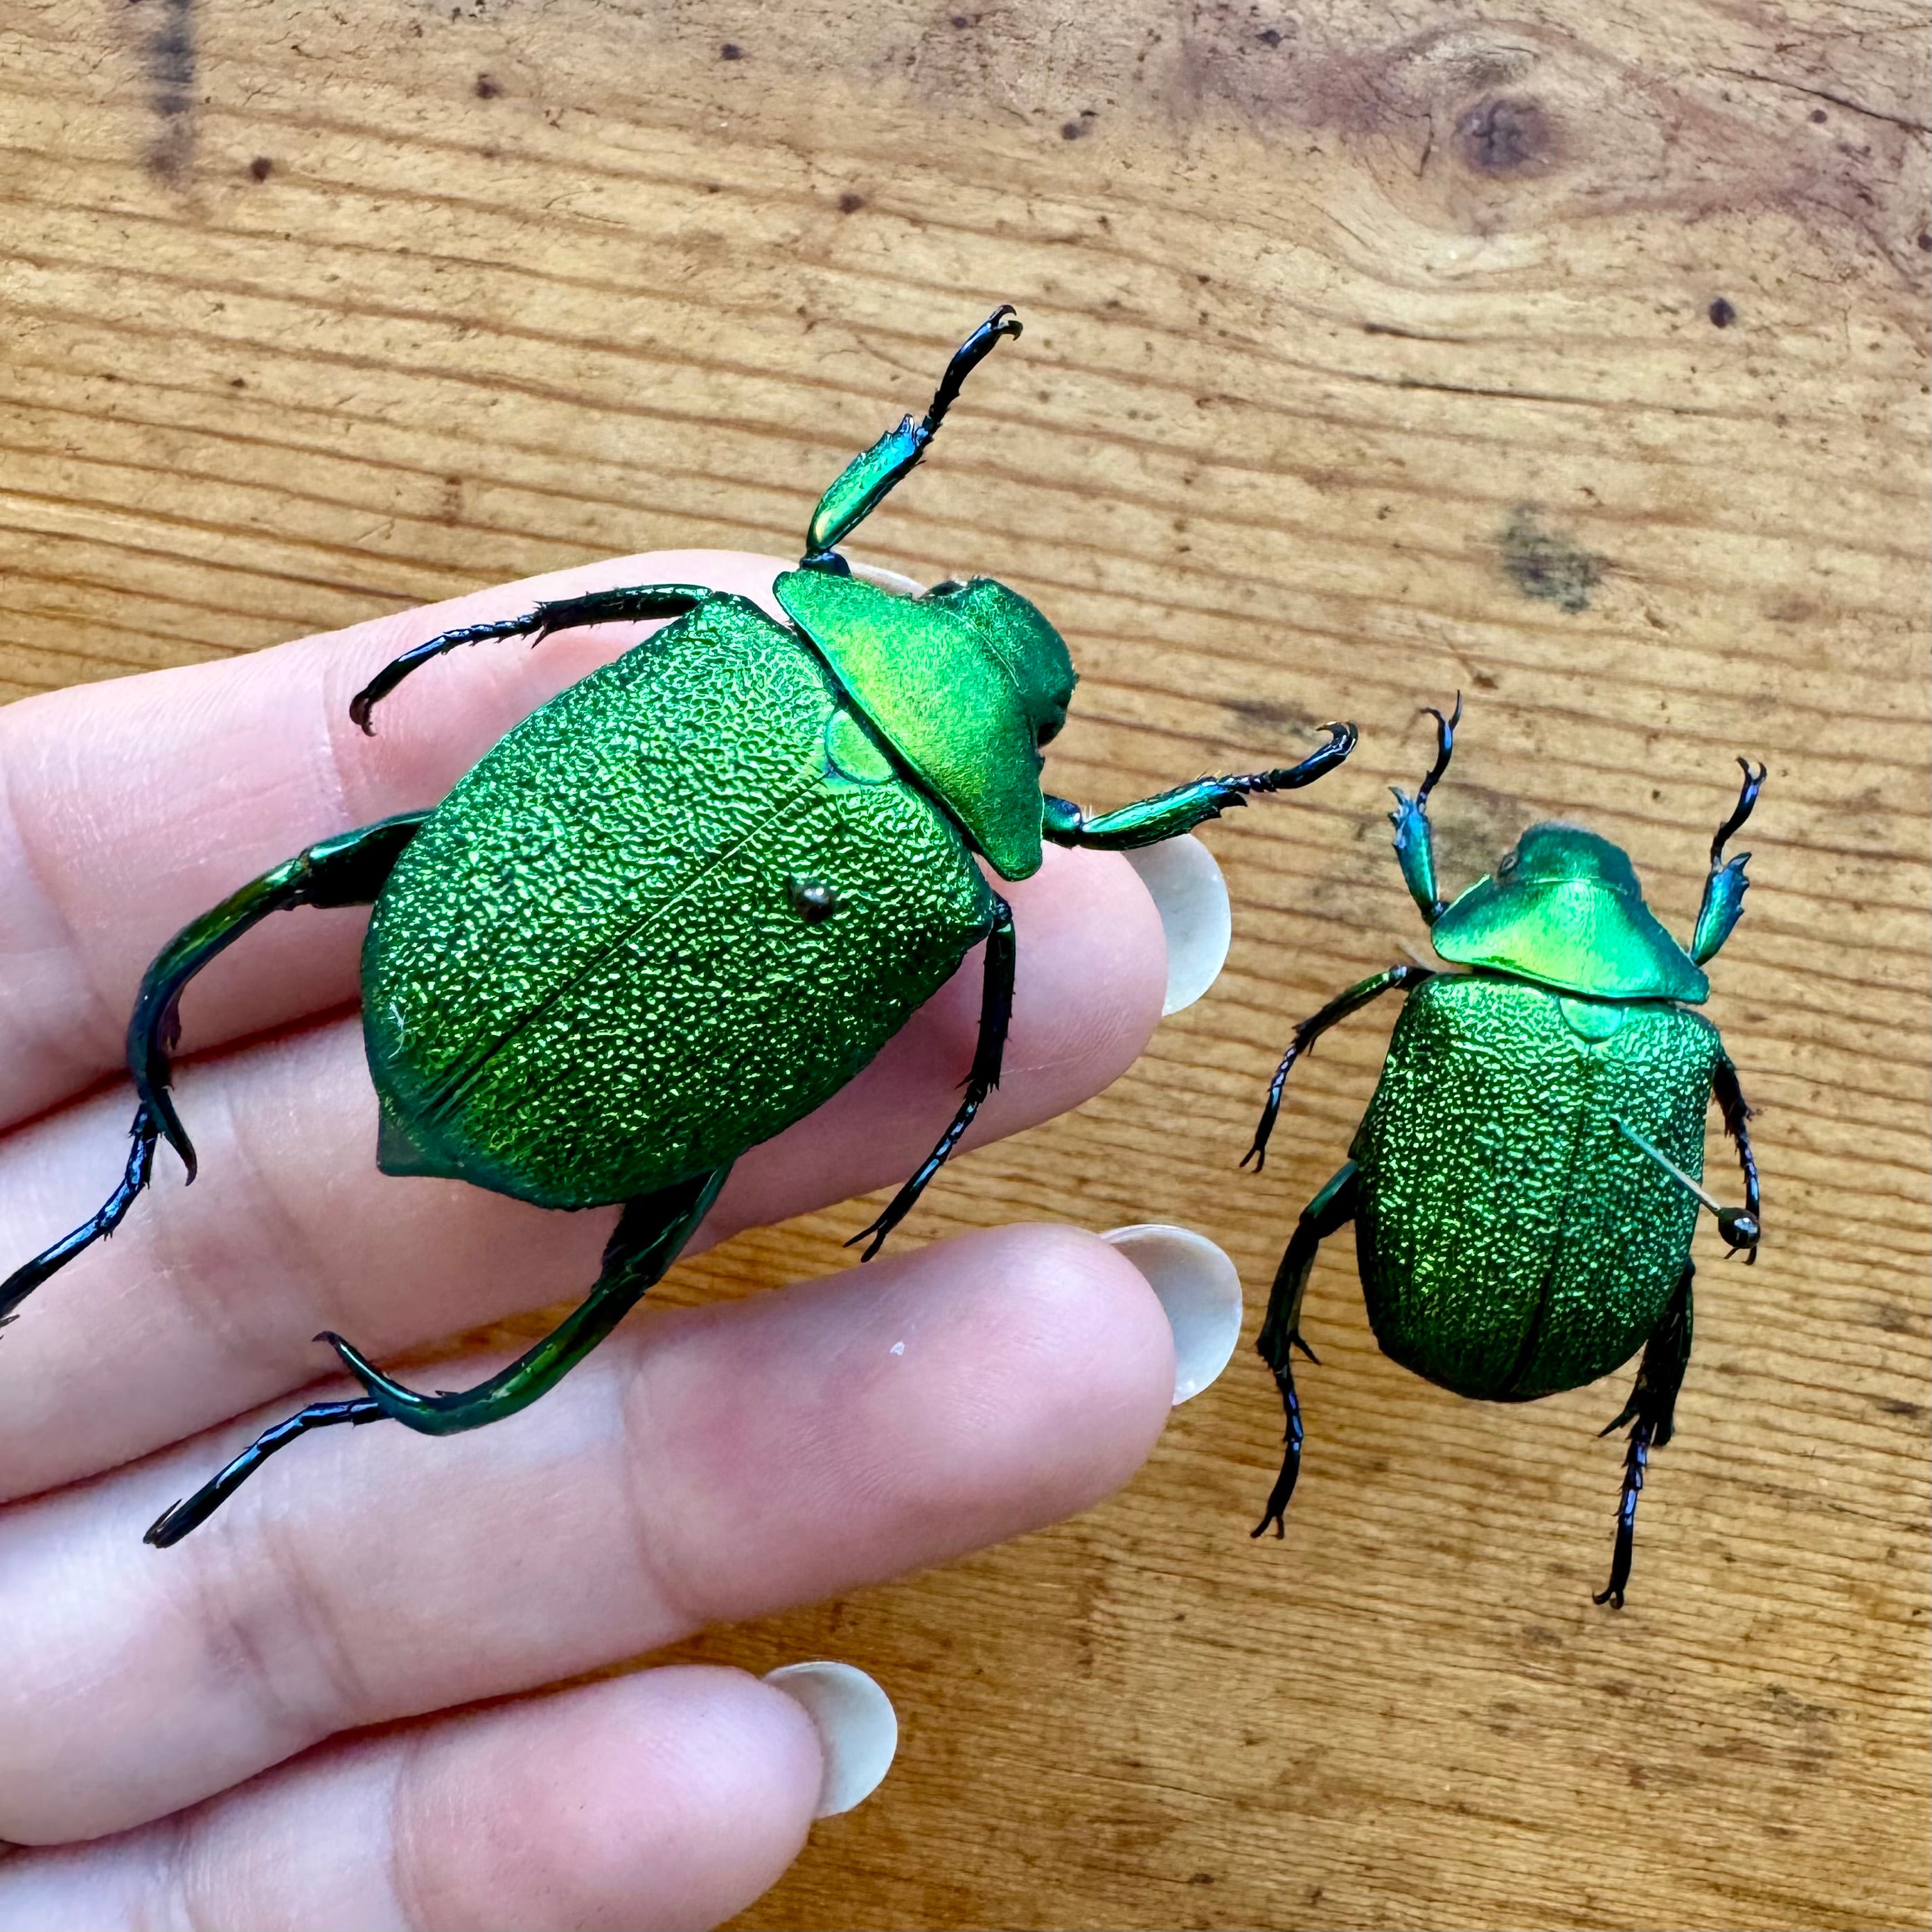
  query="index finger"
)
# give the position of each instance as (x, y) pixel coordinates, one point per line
(129, 808)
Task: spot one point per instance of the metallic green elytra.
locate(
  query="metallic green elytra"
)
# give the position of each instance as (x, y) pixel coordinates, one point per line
(678, 907)
(1526, 1183)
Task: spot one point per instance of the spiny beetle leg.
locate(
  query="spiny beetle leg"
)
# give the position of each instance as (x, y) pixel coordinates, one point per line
(633, 604)
(1736, 1111)
(650, 1234)
(1152, 821)
(174, 1522)
(1414, 848)
(1332, 1209)
(996, 1013)
(22, 1282)
(1651, 1413)
(1723, 901)
(347, 870)
(865, 483)
(1311, 1030)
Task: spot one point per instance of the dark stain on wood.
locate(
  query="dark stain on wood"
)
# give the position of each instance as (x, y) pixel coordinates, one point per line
(1507, 134)
(1545, 564)
(168, 55)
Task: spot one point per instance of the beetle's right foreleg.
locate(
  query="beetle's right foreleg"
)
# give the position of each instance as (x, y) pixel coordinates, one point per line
(1333, 1208)
(346, 871)
(1152, 821)
(1311, 1030)
(633, 604)
(1414, 849)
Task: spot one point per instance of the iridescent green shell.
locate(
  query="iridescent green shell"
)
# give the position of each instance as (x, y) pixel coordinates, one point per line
(1564, 909)
(672, 912)
(1512, 1243)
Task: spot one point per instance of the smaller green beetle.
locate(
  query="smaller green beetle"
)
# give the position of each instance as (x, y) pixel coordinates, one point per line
(678, 907)
(1526, 1180)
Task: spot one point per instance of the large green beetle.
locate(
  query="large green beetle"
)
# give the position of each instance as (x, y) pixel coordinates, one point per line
(1526, 1182)
(679, 906)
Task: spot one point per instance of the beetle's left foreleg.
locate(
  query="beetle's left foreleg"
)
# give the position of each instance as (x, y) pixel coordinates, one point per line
(1167, 815)
(1740, 1230)
(865, 483)
(1332, 1209)
(1415, 844)
(1725, 887)
(1650, 1412)
(996, 1013)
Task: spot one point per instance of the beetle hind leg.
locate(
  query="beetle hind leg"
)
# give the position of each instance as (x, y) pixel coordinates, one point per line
(1650, 1414)
(649, 1236)
(1330, 1210)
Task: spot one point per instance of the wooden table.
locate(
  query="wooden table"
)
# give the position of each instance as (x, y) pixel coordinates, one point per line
(1572, 357)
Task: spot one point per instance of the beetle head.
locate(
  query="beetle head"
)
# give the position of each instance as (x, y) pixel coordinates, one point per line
(966, 683)
(1032, 651)
(1564, 909)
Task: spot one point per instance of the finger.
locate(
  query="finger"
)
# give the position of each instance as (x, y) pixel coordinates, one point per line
(129, 808)
(672, 1797)
(209, 1299)
(705, 1465)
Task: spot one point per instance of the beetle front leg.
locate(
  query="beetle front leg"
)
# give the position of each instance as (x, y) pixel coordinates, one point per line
(996, 1013)
(633, 605)
(1724, 889)
(649, 1236)
(1651, 1412)
(1331, 1211)
(1151, 821)
(350, 870)
(1311, 1030)
(865, 483)
(1414, 847)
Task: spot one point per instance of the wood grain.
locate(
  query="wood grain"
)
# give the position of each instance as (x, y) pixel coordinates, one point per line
(1354, 336)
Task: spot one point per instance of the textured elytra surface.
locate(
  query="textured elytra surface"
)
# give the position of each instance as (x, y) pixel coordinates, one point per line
(588, 976)
(1512, 1242)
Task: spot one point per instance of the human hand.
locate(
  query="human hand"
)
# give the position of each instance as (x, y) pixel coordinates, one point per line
(186, 1712)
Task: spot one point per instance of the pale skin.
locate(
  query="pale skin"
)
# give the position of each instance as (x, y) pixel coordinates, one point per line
(171, 1722)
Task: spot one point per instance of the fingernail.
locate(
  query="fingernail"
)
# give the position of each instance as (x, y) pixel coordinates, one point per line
(1191, 896)
(857, 1728)
(1199, 1293)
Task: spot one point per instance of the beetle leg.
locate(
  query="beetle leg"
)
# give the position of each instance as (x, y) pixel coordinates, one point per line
(1736, 1111)
(1150, 821)
(1651, 1413)
(996, 1013)
(1724, 889)
(1415, 850)
(1311, 1030)
(649, 1236)
(633, 604)
(1332, 1209)
(871, 476)
(349, 870)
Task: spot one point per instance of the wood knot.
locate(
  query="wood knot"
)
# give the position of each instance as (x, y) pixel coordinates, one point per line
(1506, 134)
